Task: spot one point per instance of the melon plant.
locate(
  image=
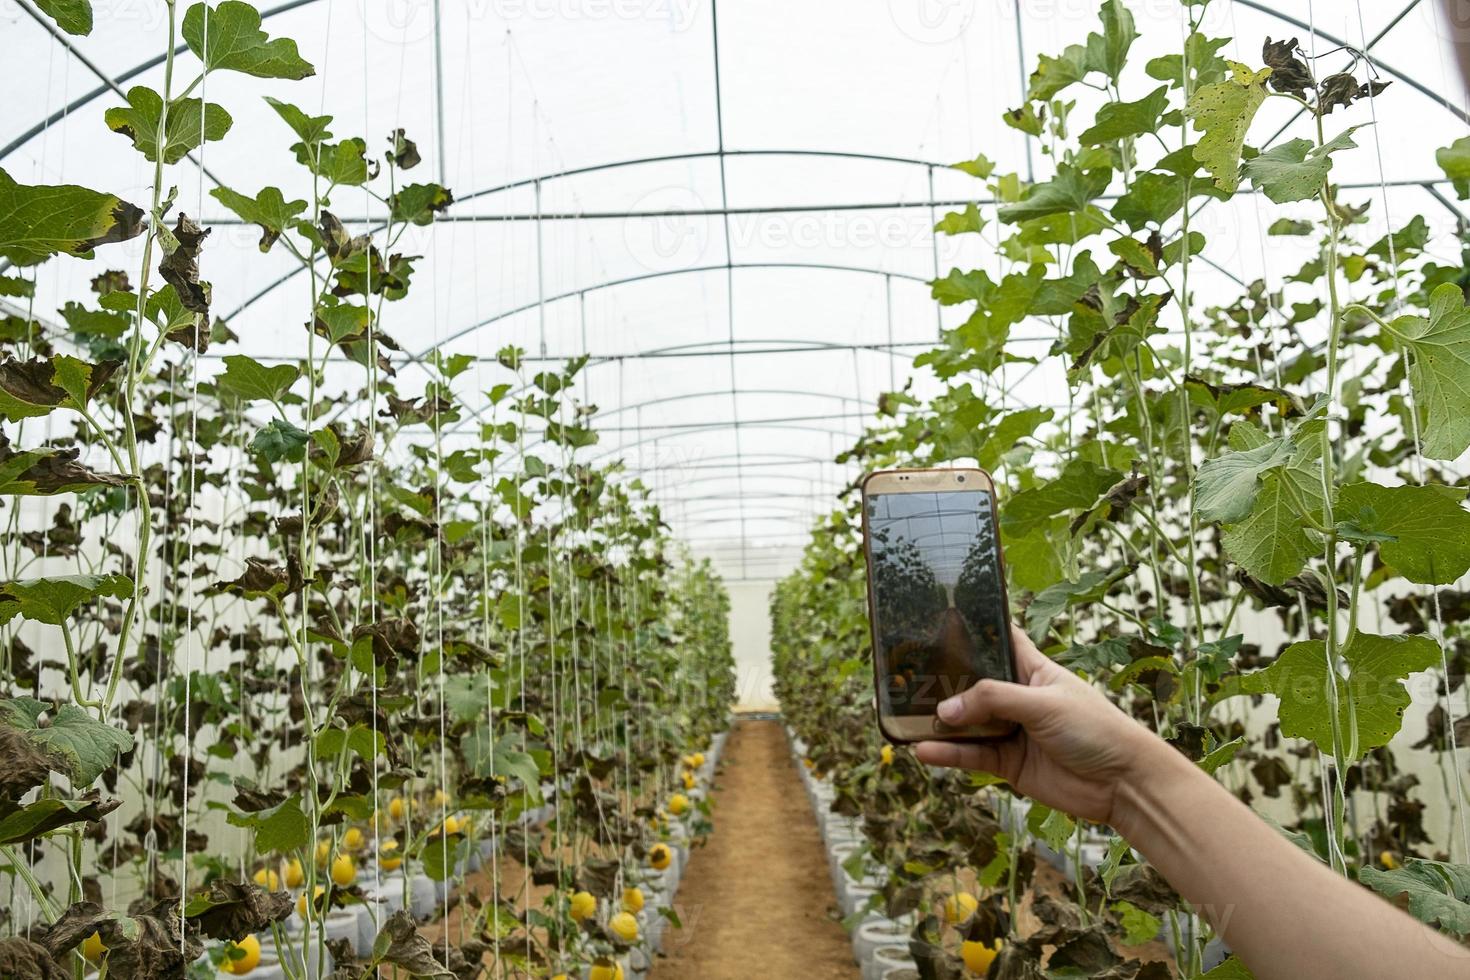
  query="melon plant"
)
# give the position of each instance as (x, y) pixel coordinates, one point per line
(1241, 512)
(281, 636)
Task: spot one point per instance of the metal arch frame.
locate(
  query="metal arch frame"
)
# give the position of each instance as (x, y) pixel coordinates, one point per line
(810, 494)
(645, 277)
(720, 154)
(670, 399)
(683, 433)
(114, 82)
(462, 427)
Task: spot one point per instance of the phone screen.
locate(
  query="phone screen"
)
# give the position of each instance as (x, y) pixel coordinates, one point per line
(940, 621)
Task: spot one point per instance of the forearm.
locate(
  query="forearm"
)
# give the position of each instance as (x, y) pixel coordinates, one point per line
(1284, 913)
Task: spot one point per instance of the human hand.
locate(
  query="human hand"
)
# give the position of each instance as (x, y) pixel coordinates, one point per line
(1074, 749)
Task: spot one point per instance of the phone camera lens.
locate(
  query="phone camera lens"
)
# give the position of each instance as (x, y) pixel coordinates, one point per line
(961, 479)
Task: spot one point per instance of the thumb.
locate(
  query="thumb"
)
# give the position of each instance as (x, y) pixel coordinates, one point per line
(990, 700)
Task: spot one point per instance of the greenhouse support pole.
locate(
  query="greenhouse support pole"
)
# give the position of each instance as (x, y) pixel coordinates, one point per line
(439, 93)
(540, 276)
(934, 252)
(888, 307)
(1021, 70)
(714, 14)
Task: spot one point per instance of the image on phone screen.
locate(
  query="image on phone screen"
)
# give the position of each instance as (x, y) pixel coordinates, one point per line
(940, 621)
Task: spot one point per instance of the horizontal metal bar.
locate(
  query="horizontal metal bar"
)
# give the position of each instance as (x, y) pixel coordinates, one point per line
(532, 216)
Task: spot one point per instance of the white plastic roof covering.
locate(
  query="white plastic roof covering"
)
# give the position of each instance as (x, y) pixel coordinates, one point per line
(729, 389)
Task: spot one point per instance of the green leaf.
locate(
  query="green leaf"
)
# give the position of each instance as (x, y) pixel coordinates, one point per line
(1201, 55)
(1052, 75)
(1070, 190)
(359, 738)
(1289, 226)
(1221, 754)
(1077, 487)
(311, 129)
(1118, 848)
(1271, 543)
(1225, 487)
(29, 389)
(961, 287)
(1223, 113)
(35, 819)
(1372, 694)
(991, 875)
(280, 829)
(269, 209)
(1054, 600)
(467, 696)
(1437, 893)
(1152, 199)
(1424, 532)
(190, 123)
(1011, 429)
(980, 167)
(418, 203)
(229, 38)
(250, 380)
(1298, 169)
(85, 746)
(1108, 52)
(1033, 560)
(38, 221)
(15, 286)
(51, 600)
(961, 222)
(340, 164)
(72, 16)
(1138, 926)
(1454, 160)
(1120, 120)
(278, 440)
(1231, 969)
(1438, 369)
(1052, 826)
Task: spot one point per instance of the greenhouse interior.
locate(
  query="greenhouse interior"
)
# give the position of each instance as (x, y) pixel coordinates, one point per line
(618, 489)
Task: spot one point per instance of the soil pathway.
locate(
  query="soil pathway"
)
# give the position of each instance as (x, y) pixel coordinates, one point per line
(757, 900)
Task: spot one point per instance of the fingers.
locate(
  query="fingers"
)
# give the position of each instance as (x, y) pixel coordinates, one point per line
(992, 700)
(1029, 660)
(959, 755)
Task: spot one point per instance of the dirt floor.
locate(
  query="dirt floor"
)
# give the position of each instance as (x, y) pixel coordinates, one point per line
(757, 899)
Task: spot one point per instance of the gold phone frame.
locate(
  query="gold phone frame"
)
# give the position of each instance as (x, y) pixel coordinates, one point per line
(904, 729)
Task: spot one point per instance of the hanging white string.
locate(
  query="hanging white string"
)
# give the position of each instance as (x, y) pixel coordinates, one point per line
(185, 639)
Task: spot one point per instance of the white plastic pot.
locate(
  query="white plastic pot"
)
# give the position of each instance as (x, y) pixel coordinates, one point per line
(855, 897)
(389, 893)
(865, 886)
(886, 958)
(370, 918)
(843, 827)
(901, 973)
(422, 897)
(835, 856)
(873, 934)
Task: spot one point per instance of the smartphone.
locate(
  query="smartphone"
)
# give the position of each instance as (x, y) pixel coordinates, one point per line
(936, 596)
